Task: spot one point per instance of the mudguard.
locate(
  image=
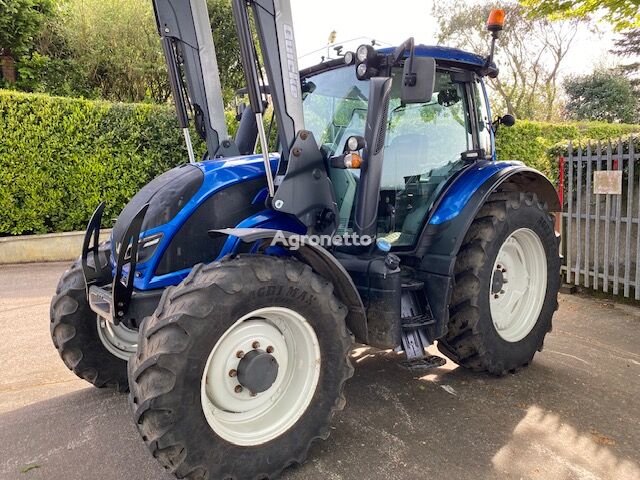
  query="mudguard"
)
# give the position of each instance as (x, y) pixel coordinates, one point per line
(442, 237)
(323, 263)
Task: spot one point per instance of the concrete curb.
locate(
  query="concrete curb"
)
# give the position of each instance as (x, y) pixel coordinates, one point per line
(51, 247)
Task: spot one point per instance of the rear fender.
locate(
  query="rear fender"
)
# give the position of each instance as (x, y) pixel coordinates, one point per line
(321, 261)
(441, 239)
(448, 224)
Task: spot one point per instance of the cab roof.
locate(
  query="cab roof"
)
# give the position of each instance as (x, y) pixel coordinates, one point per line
(444, 55)
(447, 54)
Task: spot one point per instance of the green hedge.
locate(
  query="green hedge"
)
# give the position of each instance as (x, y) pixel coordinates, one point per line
(531, 142)
(60, 157)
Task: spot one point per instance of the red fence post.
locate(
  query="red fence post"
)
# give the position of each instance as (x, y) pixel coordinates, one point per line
(560, 193)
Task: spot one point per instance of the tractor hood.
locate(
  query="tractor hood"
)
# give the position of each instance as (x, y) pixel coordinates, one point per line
(172, 193)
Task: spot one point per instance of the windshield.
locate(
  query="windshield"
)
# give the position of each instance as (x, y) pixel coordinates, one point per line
(423, 145)
(335, 107)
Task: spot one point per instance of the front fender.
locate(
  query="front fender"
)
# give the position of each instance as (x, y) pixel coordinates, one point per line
(491, 174)
(322, 262)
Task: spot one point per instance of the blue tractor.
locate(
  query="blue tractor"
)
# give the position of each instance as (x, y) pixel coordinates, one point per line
(233, 288)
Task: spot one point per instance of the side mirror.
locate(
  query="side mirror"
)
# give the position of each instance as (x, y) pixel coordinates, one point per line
(508, 120)
(423, 71)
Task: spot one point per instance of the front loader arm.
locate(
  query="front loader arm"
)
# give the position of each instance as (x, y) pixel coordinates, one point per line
(304, 189)
(274, 25)
(191, 59)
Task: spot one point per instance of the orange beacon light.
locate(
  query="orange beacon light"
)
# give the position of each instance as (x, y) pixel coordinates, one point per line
(495, 22)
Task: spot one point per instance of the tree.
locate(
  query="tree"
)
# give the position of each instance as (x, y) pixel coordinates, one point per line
(227, 47)
(20, 22)
(628, 45)
(529, 52)
(116, 45)
(111, 49)
(603, 95)
(620, 13)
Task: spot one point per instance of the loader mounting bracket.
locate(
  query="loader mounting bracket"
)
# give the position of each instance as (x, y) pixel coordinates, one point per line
(127, 257)
(96, 273)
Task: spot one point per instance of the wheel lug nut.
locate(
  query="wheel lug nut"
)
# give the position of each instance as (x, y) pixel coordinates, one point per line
(239, 354)
(253, 394)
(232, 373)
(269, 349)
(238, 388)
(255, 345)
(496, 296)
(502, 292)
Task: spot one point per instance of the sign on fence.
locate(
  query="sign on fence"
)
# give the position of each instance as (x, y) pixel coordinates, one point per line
(605, 182)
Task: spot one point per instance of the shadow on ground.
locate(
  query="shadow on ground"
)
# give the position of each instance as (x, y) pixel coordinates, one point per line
(397, 424)
(573, 414)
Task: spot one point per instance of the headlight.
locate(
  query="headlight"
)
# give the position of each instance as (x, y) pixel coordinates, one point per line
(362, 53)
(362, 70)
(348, 58)
(147, 247)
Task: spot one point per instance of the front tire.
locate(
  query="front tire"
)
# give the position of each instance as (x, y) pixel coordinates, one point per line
(197, 413)
(85, 344)
(507, 277)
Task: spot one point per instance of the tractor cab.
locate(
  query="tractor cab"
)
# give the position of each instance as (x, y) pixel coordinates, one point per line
(426, 143)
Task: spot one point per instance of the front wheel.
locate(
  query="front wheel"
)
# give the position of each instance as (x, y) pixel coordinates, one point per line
(507, 277)
(240, 368)
(93, 348)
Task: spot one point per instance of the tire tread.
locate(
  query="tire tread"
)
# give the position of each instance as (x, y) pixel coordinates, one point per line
(69, 313)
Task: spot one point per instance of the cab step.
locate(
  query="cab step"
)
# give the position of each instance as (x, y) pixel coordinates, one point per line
(416, 318)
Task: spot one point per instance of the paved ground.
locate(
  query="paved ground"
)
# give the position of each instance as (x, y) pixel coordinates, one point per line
(574, 414)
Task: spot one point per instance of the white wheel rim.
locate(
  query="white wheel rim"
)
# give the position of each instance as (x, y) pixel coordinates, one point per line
(117, 339)
(245, 419)
(518, 285)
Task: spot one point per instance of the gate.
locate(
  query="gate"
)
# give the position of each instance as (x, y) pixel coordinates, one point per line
(599, 188)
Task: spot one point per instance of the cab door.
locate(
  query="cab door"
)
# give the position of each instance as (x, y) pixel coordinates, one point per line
(423, 150)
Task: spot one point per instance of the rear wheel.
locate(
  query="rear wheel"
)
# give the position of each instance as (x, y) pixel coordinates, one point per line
(91, 347)
(240, 368)
(507, 278)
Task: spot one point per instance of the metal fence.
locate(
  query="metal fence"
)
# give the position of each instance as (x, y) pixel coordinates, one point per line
(599, 188)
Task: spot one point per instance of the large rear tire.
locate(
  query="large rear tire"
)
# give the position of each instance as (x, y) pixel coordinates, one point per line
(85, 344)
(200, 407)
(507, 277)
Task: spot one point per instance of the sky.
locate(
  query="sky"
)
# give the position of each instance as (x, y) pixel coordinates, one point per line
(393, 21)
